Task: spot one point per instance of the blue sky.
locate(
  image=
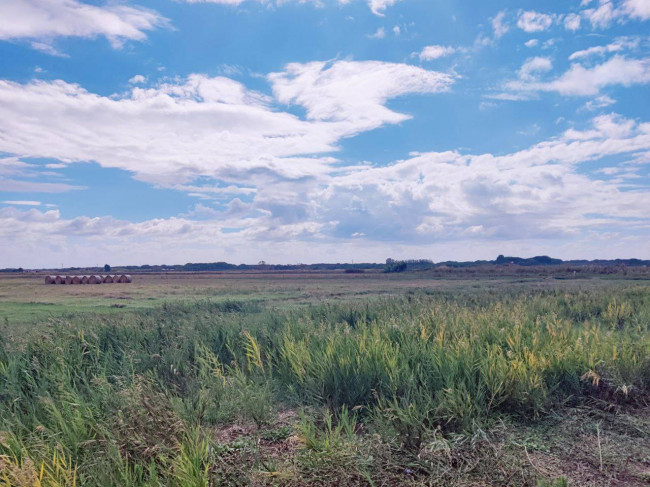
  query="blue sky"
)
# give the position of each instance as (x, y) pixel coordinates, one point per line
(322, 131)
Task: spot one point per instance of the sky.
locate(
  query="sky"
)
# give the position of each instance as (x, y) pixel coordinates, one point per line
(303, 131)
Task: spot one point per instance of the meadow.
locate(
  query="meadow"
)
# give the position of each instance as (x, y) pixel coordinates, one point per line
(325, 379)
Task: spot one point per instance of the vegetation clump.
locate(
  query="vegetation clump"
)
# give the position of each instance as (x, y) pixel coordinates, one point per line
(399, 391)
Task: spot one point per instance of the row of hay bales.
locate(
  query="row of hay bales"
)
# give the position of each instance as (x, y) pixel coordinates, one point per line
(93, 279)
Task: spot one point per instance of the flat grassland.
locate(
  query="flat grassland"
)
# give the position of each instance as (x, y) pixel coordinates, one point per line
(293, 378)
(26, 303)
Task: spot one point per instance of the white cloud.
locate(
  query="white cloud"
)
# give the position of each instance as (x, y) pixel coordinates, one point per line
(572, 22)
(540, 196)
(380, 33)
(638, 9)
(48, 19)
(531, 21)
(533, 66)
(378, 7)
(211, 127)
(549, 43)
(17, 176)
(531, 43)
(22, 186)
(610, 11)
(138, 78)
(354, 93)
(602, 16)
(509, 96)
(22, 203)
(486, 105)
(620, 44)
(499, 25)
(430, 53)
(223, 2)
(47, 49)
(397, 30)
(581, 81)
(598, 102)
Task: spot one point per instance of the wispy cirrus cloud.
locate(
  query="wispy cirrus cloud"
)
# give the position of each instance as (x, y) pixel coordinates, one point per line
(21, 203)
(620, 44)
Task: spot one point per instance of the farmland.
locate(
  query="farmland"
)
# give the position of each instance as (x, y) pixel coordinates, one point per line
(326, 379)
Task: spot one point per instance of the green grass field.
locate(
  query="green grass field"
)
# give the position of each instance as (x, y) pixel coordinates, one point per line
(325, 379)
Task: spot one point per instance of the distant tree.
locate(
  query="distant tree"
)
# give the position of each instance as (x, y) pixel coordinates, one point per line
(395, 265)
(107, 268)
(261, 262)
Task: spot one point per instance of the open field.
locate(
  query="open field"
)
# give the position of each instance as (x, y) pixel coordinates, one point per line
(325, 379)
(25, 300)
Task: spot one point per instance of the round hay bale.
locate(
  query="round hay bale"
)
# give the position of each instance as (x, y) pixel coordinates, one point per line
(76, 279)
(50, 279)
(107, 279)
(68, 279)
(95, 279)
(59, 280)
(84, 279)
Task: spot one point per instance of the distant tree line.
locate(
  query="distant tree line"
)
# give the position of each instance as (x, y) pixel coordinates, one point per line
(391, 265)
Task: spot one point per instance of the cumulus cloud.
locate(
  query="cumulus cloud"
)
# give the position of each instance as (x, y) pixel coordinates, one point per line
(49, 19)
(213, 127)
(545, 192)
(354, 94)
(603, 15)
(430, 53)
(638, 9)
(531, 21)
(583, 81)
(572, 22)
(138, 78)
(609, 11)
